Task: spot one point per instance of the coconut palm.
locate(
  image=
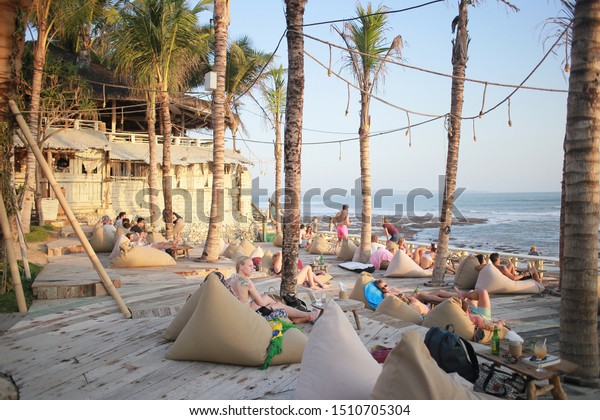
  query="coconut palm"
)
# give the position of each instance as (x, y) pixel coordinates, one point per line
(160, 39)
(460, 47)
(579, 284)
(244, 65)
(293, 142)
(368, 48)
(221, 19)
(273, 92)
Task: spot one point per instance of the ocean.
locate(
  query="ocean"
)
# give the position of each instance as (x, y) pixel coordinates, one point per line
(508, 222)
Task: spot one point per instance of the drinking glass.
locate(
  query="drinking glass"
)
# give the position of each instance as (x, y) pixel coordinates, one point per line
(540, 352)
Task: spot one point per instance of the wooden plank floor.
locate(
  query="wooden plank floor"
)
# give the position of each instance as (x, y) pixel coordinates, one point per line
(84, 348)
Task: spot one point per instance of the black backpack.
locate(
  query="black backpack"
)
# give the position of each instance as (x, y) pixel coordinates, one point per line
(452, 352)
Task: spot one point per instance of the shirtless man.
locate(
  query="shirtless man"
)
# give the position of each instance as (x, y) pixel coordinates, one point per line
(341, 221)
(510, 271)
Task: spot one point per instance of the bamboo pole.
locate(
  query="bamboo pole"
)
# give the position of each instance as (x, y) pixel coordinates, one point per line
(12, 257)
(22, 244)
(68, 212)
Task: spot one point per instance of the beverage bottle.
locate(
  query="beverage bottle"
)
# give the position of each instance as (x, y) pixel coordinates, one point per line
(321, 260)
(495, 342)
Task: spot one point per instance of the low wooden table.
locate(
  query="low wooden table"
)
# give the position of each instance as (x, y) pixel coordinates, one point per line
(347, 305)
(181, 251)
(320, 267)
(551, 373)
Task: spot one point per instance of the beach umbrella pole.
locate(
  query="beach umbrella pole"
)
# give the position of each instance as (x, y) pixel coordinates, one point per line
(68, 212)
(12, 258)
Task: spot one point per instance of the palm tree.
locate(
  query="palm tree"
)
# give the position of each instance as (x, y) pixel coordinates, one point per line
(365, 38)
(160, 41)
(244, 65)
(273, 93)
(221, 22)
(460, 46)
(579, 285)
(293, 142)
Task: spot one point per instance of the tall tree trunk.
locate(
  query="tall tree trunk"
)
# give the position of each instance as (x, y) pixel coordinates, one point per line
(365, 172)
(579, 303)
(153, 171)
(212, 248)
(166, 164)
(459, 64)
(39, 59)
(278, 159)
(293, 143)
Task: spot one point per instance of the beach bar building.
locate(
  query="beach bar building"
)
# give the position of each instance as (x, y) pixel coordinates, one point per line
(102, 164)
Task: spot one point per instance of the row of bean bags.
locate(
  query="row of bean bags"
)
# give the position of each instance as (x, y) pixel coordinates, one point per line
(124, 255)
(337, 366)
(214, 326)
(403, 266)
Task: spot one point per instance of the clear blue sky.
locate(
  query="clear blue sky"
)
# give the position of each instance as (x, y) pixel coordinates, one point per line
(505, 47)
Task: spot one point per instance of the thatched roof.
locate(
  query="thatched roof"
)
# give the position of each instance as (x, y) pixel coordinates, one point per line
(180, 155)
(71, 139)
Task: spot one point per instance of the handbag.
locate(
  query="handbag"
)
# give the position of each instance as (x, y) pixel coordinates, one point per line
(295, 302)
(452, 352)
(500, 383)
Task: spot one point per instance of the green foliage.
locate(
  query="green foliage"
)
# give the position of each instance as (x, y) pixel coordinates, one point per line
(8, 301)
(39, 233)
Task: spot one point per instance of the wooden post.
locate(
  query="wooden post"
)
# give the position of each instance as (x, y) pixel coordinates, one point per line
(68, 212)
(12, 258)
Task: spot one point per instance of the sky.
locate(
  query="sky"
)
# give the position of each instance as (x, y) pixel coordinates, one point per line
(505, 47)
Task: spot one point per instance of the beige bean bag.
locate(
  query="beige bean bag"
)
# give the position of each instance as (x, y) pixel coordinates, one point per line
(450, 312)
(320, 245)
(403, 266)
(221, 329)
(410, 373)
(228, 253)
(466, 275)
(155, 237)
(100, 241)
(336, 365)
(120, 231)
(358, 292)
(347, 250)
(374, 247)
(278, 240)
(238, 253)
(247, 246)
(142, 256)
(395, 307)
(258, 252)
(267, 261)
(492, 280)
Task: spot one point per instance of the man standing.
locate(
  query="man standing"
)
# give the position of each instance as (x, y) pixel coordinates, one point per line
(341, 221)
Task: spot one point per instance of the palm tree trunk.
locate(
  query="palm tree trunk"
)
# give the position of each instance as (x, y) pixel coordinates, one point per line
(221, 19)
(39, 59)
(278, 159)
(459, 64)
(365, 174)
(153, 171)
(293, 142)
(166, 166)
(579, 303)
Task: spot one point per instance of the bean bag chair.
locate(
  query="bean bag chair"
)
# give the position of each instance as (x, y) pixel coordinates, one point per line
(223, 247)
(228, 253)
(450, 312)
(100, 240)
(258, 252)
(347, 250)
(267, 261)
(120, 231)
(336, 365)
(221, 329)
(320, 245)
(141, 256)
(397, 308)
(466, 275)
(278, 240)
(247, 246)
(155, 237)
(238, 253)
(410, 373)
(374, 247)
(403, 266)
(492, 280)
(358, 292)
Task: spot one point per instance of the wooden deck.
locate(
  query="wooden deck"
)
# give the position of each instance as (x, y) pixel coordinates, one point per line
(84, 348)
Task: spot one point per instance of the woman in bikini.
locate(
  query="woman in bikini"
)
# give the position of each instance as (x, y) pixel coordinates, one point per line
(305, 277)
(243, 288)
